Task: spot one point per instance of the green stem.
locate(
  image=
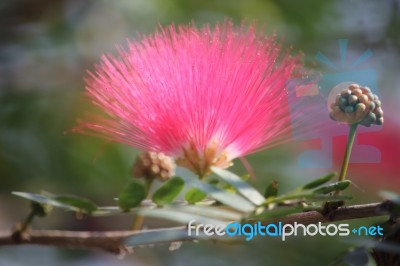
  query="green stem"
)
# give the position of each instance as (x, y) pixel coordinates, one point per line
(346, 159)
(28, 221)
(139, 219)
(138, 222)
(36, 210)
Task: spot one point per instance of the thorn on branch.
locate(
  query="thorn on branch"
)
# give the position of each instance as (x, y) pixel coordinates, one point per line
(330, 209)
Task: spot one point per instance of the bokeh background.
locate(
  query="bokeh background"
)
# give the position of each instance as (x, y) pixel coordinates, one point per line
(45, 49)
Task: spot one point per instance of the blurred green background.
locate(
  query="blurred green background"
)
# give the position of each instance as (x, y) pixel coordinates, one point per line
(47, 46)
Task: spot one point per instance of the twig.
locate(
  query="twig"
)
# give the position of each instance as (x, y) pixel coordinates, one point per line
(113, 241)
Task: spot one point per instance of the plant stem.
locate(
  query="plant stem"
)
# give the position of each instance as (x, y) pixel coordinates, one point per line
(138, 221)
(23, 227)
(346, 159)
(27, 221)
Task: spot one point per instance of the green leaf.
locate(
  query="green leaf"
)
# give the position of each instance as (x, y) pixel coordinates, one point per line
(109, 211)
(68, 202)
(338, 186)
(213, 181)
(320, 181)
(83, 204)
(132, 195)
(292, 196)
(168, 192)
(272, 190)
(151, 237)
(240, 185)
(322, 197)
(232, 200)
(213, 212)
(43, 200)
(245, 177)
(179, 216)
(194, 195)
(277, 213)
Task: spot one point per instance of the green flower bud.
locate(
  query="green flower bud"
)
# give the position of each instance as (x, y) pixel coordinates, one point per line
(353, 99)
(371, 106)
(345, 93)
(349, 109)
(357, 104)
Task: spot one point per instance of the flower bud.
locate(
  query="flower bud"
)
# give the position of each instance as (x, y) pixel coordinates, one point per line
(357, 104)
(151, 165)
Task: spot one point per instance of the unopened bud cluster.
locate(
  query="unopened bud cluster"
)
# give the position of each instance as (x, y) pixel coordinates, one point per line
(153, 165)
(357, 104)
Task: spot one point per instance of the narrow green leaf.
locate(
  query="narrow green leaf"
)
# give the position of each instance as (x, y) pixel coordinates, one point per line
(322, 197)
(342, 185)
(240, 185)
(232, 200)
(272, 190)
(316, 195)
(245, 177)
(151, 237)
(168, 192)
(227, 187)
(277, 213)
(292, 196)
(213, 181)
(179, 216)
(194, 195)
(108, 211)
(132, 195)
(320, 181)
(83, 204)
(44, 200)
(213, 212)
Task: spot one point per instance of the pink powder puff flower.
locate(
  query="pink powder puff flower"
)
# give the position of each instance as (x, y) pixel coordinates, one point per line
(201, 96)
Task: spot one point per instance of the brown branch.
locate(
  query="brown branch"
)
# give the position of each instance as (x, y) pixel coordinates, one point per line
(113, 241)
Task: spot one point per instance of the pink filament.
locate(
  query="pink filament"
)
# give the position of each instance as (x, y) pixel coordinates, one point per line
(186, 87)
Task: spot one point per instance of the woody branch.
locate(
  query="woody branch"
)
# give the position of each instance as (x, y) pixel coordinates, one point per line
(113, 241)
